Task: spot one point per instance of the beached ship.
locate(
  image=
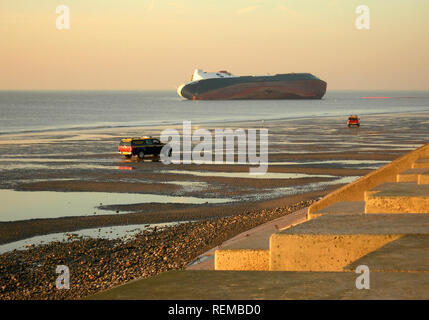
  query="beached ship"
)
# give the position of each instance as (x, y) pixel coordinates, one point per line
(223, 85)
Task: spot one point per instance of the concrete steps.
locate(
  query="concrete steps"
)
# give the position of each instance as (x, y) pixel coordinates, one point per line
(251, 250)
(328, 243)
(331, 242)
(421, 163)
(423, 178)
(342, 208)
(412, 175)
(403, 255)
(401, 197)
(343, 232)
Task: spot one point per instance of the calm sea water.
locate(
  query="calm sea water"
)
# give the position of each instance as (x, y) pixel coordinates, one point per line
(27, 111)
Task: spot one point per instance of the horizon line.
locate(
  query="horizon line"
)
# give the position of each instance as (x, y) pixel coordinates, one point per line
(136, 90)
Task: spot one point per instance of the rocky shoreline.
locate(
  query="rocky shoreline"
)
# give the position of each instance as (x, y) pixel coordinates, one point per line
(100, 264)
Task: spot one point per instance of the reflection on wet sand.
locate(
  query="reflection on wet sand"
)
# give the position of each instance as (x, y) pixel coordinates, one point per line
(23, 205)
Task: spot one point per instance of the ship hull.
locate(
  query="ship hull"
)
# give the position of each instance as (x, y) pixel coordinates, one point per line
(285, 86)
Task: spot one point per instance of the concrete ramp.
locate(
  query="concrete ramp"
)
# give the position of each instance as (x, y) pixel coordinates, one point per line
(260, 285)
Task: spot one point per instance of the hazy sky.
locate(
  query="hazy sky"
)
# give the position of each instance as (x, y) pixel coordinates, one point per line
(156, 44)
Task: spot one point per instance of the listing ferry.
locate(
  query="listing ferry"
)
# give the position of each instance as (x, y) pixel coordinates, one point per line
(222, 85)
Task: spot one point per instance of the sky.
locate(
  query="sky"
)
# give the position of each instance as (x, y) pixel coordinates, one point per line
(156, 44)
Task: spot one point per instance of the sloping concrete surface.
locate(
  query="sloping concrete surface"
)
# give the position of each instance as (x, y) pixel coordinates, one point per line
(247, 285)
(411, 175)
(331, 242)
(421, 163)
(254, 239)
(316, 252)
(363, 224)
(401, 189)
(400, 197)
(423, 178)
(342, 208)
(407, 254)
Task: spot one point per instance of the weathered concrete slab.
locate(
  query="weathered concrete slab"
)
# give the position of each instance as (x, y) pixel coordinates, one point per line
(401, 197)
(401, 189)
(249, 251)
(406, 189)
(259, 240)
(384, 187)
(331, 242)
(411, 175)
(303, 252)
(363, 224)
(407, 254)
(423, 178)
(245, 285)
(242, 259)
(342, 208)
(397, 204)
(421, 163)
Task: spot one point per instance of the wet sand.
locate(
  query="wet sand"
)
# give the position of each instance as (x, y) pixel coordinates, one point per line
(322, 148)
(145, 214)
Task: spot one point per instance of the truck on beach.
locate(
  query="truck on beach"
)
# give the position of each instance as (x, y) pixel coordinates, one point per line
(353, 121)
(141, 146)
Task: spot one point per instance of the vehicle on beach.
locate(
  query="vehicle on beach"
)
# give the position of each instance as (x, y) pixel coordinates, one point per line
(353, 121)
(141, 147)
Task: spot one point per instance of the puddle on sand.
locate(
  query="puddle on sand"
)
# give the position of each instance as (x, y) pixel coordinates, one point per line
(24, 205)
(113, 232)
(268, 175)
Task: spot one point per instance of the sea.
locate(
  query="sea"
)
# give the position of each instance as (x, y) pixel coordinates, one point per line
(38, 111)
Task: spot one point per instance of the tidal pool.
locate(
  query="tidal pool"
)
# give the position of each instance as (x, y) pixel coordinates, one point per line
(24, 205)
